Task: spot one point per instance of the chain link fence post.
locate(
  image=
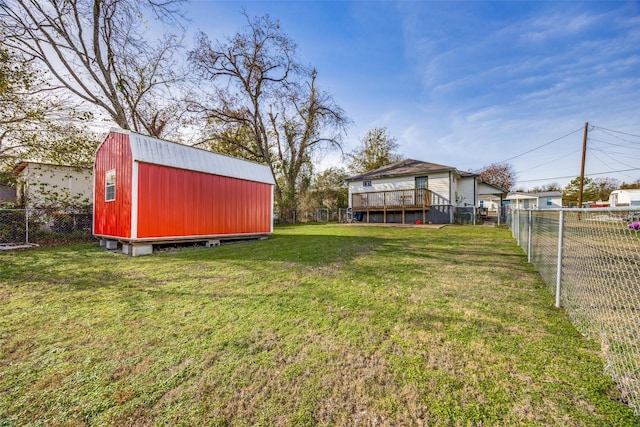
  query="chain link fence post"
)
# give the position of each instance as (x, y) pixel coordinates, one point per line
(26, 226)
(517, 214)
(559, 268)
(590, 260)
(529, 238)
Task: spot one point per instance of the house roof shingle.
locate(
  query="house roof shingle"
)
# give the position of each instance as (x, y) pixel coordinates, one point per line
(407, 167)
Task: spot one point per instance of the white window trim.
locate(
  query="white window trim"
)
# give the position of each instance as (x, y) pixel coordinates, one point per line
(106, 185)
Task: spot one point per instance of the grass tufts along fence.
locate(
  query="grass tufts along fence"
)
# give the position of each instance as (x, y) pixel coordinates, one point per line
(590, 259)
(44, 226)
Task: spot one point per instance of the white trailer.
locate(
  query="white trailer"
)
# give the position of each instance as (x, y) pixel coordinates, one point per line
(624, 198)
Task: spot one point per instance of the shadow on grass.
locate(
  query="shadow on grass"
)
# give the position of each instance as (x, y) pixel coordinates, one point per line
(299, 249)
(89, 266)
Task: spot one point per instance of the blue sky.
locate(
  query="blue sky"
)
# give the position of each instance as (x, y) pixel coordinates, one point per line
(467, 84)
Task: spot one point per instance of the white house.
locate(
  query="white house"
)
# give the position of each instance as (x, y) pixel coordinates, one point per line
(411, 191)
(624, 198)
(490, 197)
(57, 186)
(543, 200)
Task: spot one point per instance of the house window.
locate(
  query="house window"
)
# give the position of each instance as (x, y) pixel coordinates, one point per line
(422, 182)
(110, 186)
(366, 183)
(549, 201)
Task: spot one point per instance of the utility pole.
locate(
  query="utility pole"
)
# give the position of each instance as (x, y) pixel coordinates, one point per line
(584, 154)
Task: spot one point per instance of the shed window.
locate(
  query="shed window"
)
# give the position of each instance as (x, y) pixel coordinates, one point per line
(110, 186)
(366, 183)
(549, 201)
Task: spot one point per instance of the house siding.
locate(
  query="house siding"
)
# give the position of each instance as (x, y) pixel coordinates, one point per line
(402, 183)
(437, 183)
(439, 186)
(534, 201)
(452, 193)
(55, 185)
(466, 190)
(556, 203)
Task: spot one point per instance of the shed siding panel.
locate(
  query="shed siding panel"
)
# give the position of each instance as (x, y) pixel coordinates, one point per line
(113, 218)
(177, 202)
(146, 149)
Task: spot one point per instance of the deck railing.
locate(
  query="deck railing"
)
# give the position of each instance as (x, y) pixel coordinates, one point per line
(416, 198)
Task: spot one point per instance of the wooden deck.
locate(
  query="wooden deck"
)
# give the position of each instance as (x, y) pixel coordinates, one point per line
(413, 200)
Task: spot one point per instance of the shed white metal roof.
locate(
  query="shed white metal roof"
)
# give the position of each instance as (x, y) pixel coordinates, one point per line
(160, 152)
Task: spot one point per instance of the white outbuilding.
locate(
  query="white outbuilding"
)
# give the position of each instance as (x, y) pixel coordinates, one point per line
(624, 198)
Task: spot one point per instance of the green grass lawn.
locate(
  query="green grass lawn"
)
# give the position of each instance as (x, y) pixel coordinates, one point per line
(318, 325)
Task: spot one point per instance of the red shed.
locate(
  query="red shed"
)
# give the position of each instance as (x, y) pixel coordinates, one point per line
(147, 191)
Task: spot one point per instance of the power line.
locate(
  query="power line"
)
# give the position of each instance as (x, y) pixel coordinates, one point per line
(541, 146)
(630, 147)
(617, 155)
(608, 165)
(596, 148)
(615, 160)
(573, 176)
(548, 162)
(617, 137)
(616, 131)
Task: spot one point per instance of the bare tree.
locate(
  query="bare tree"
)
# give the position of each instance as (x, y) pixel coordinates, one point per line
(302, 123)
(249, 69)
(20, 104)
(630, 185)
(553, 186)
(35, 124)
(605, 186)
(98, 50)
(264, 105)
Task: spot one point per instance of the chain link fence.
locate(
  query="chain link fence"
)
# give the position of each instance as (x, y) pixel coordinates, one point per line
(590, 259)
(303, 216)
(19, 227)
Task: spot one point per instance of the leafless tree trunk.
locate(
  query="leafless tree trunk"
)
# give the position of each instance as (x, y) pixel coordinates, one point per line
(302, 123)
(98, 51)
(259, 109)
